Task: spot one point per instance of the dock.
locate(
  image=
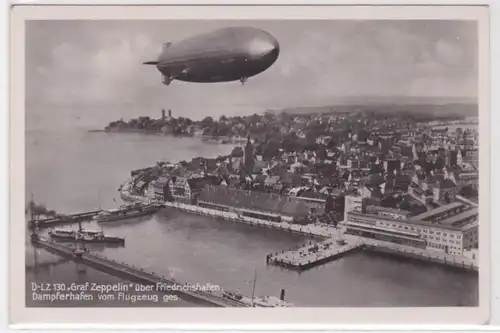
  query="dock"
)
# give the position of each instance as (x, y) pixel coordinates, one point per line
(312, 255)
(132, 273)
(63, 219)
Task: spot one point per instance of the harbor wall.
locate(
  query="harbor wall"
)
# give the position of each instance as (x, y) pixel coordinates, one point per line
(458, 263)
(129, 272)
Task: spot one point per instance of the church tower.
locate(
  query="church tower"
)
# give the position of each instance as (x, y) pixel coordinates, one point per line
(248, 157)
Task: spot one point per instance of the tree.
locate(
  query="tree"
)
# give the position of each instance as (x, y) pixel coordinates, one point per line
(237, 152)
(270, 150)
(289, 142)
(207, 122)
(223, 118)
(254, 119)
(268, 116)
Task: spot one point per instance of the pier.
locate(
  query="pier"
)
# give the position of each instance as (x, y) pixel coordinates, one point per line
(63, 219)
(132, 273)
(314, 254)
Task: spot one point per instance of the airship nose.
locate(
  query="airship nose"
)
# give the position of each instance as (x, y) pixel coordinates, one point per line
(262, 46)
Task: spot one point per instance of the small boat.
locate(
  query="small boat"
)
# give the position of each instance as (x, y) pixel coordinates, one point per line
(127, 211)
(87, 236)
(62, 234)
(259, 302)
(238, 297)
(271, 302)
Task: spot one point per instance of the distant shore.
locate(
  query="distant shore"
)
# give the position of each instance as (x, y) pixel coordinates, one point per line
(136, 131)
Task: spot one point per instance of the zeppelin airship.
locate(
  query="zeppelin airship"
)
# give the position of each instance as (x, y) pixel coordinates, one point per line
(224, 55)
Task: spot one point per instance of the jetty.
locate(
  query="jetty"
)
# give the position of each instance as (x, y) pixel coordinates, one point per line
(63, 219)
(132, 273)
(313, 254)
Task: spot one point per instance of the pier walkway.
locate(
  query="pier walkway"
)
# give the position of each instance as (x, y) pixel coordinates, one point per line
(65, 219)
(314, 254)
(135, 274)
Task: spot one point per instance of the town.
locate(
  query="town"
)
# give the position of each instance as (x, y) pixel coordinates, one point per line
(404, 179)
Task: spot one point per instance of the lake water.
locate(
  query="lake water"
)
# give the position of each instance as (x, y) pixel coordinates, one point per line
(75, 171)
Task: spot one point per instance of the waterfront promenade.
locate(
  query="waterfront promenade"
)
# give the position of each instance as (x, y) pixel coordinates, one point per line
(318, 230)
(315, 229)
(436, 257)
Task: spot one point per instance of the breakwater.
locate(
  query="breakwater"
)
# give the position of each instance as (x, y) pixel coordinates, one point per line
(132, 273)
(63, 219)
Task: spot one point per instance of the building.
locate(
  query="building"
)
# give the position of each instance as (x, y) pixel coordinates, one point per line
(315, 201)
(451, 228)
(469, 156)
(248, 156)
(187, 189)
(450, 158)
(445, 191)
(158, 189)
(464, 179)
(392, 166)
(353, 203)
(262, 205)
(139, 188)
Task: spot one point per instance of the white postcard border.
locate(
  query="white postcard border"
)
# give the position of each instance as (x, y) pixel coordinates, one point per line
(234, 317)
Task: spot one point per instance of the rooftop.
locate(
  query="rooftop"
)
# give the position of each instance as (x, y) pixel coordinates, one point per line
(438, 211)
(262, 201)
(412, 221)
(459, 219)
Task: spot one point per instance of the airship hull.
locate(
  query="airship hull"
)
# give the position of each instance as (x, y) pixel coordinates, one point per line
(225, 55)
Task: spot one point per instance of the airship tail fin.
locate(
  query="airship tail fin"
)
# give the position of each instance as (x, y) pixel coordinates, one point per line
(150, 63)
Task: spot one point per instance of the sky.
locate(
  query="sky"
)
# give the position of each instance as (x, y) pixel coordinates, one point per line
(93, 69)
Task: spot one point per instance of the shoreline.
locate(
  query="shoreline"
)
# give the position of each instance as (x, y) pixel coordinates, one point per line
(325, 233)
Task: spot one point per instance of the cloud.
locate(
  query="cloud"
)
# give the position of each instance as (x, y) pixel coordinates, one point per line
(97, 64)
(449, 53)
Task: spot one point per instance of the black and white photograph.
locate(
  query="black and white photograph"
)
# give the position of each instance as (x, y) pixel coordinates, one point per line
(253, 163)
